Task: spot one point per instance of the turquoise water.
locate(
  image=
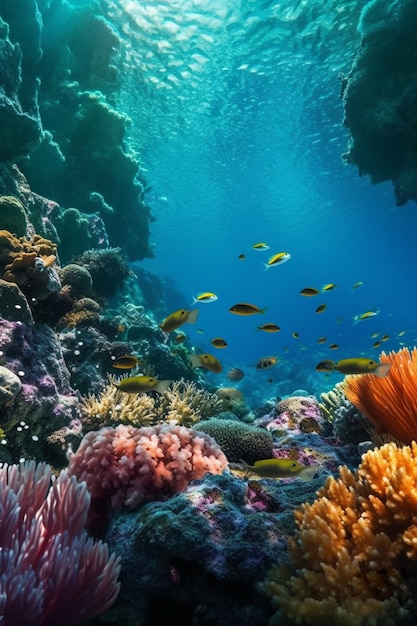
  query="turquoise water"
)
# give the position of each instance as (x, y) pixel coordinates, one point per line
(238, 123)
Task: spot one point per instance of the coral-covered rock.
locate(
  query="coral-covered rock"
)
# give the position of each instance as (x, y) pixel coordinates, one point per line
(46, 401)
(13, 216)
(10, 385)
(204, 551)
(13, 303)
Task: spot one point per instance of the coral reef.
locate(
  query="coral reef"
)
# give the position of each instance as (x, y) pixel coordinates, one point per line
(29, 263)
(126, 466)
(354, 552)
(10, 385)
(183, 403)
(389, 402)
(107, 268)
(203, 553)
(13, 216)
(13, 304)
(239, 441)
(233, 400)
(51, 573)
(348, 423)
(379, 96)
(46, 401)
(77, 278)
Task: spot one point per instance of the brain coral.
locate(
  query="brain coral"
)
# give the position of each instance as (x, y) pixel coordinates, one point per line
(354, 555)
(239, 441)
(13, 216)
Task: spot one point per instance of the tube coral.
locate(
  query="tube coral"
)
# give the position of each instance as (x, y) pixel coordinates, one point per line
(389, 402)
(50, 572)
(354, 554)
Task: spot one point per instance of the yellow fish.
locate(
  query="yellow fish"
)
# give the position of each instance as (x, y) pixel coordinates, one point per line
(295, 335)
(357, 285)
(309, 291)
(269, 328)
(375, 335)
(205, 296)
(322, 340)
(260, 246)
(329, 287)
(125, 362)
(243, 308)
(142, 384)
(385, 338)
(265, 362)
(365, 316)
(402, 333)
(241, 257)
(180, 337)
(218, 342)
(178, 318)
(277, 259)
(321, 308)
(357, 365)
(333, 346)
(208, 361)
(376, 344)
(282, 468)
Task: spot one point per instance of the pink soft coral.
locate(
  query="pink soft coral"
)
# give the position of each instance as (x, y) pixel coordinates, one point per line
(50, 571)
(126, 466)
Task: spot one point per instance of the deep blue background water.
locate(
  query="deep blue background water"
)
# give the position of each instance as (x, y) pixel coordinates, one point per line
(237, 120)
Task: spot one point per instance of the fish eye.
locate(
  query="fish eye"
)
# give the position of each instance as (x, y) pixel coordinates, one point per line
(294, 464)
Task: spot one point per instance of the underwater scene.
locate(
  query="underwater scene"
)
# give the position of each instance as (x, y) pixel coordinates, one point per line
(208, 337)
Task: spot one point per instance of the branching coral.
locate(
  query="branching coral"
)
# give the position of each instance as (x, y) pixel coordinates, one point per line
(183, 403)
(355, 551)
(50, 572)
(389, 402)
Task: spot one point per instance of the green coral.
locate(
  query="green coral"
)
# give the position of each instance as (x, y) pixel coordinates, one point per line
(13, 216)
(238, 441)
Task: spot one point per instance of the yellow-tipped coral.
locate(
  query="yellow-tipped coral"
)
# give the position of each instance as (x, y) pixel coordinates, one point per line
(389, 402)
(354, 554)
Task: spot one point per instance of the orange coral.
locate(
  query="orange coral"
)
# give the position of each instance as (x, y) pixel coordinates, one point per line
(354, 554)
(389, 402)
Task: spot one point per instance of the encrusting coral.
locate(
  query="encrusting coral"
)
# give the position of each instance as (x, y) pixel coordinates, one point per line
(389, 402)
(354, 554)
(183, 403)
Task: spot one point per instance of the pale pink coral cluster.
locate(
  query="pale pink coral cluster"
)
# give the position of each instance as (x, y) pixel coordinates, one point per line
(128, 465)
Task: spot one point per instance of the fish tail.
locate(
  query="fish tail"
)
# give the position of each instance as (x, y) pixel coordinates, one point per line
(162, 386)
(263, 310)
(246, 466)
(266, 267)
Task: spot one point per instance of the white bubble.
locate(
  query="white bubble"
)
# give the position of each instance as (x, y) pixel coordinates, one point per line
(22, 423)
(19, 429)
(21, 373)
(26, 426)
(81, 343)
(17, 306)
(3, 442)
(22, 460)
(77, 352)
(35, 438)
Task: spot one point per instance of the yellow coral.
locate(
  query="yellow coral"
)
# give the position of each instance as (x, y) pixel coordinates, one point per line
(183, 403)
(389, 402)
(352, 545)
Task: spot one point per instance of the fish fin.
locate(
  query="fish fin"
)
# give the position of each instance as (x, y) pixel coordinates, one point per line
(192, 316)
(195, 360)
(382, 370)
(246, 466)
(263, 310)
(266, 267)
(162, 386)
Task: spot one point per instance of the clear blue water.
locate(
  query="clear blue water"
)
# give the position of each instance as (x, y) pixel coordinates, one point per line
(237, 120)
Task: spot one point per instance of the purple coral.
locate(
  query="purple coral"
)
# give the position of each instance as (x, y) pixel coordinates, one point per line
(127, 465)
(50, 572)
